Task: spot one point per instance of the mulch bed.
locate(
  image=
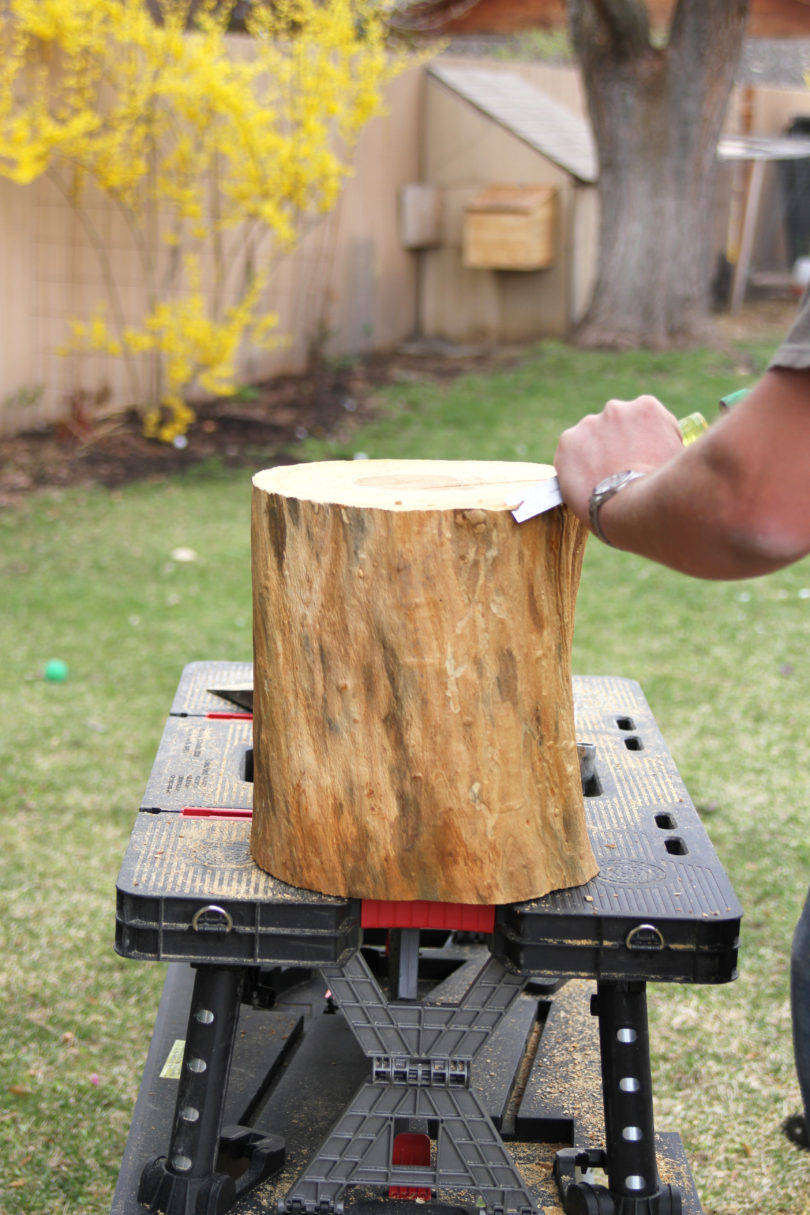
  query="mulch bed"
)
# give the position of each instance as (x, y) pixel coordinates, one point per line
(258, 428)
(264, 426)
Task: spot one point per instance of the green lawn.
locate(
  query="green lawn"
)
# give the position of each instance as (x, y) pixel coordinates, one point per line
(96, 579)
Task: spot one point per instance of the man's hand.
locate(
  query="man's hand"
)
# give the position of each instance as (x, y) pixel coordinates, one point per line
(640, 435)
(734, 504)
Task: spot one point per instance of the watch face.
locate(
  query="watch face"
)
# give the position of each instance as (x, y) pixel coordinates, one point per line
(612, 483)
(602, 493)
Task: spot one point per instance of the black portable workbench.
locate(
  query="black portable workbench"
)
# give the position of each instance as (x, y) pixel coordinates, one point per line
(313, 1054)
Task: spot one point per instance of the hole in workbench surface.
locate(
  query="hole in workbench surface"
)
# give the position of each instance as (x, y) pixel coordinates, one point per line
(676, 846)
(634, 743)
(592, 786)
(665, 821)
(247, 765)
(625, 723)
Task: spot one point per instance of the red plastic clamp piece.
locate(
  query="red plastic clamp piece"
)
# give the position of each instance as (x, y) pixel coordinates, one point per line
(448, 917)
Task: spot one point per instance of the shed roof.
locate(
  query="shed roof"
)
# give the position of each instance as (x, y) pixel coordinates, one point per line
(528, 113)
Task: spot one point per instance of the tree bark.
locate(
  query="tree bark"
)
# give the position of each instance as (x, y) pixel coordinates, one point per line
(657, 114)
(413, 716)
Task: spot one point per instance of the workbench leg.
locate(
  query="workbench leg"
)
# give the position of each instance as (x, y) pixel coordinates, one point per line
(629, 1159)
(752, 200)
(185, 1182)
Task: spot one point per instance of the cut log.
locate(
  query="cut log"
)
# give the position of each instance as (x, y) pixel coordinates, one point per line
(413, 713)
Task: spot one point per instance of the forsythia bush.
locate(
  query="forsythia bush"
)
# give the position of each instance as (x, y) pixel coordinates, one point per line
(214, 150)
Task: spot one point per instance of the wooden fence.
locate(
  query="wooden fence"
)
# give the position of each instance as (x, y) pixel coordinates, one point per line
(350, 286)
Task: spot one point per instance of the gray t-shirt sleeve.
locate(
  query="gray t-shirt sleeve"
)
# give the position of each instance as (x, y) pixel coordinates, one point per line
(795, 350)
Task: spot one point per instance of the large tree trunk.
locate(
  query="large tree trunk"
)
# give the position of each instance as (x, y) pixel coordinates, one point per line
(657, 115)
(413, 715)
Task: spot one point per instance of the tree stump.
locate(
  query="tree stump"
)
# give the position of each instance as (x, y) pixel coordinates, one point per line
(413, 712)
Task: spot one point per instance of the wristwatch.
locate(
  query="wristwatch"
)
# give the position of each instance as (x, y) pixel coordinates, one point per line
(602, 493)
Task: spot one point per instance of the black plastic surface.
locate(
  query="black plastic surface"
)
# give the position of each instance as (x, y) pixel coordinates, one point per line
(201, 762)
(189, 891)
(660, 908)
(194, 697)
(296, 1068)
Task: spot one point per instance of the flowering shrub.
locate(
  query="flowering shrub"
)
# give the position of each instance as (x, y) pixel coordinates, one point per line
(215, 150)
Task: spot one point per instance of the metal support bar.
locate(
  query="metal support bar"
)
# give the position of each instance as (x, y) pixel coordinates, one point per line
(186, 1182)
(624, 1044)
(404, 949)
(629, 1159)
(752, 200)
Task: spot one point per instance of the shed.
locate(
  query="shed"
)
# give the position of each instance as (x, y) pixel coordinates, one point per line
(491, 134)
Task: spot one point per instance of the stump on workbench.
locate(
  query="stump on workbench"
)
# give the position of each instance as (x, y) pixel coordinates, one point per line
(413, 714)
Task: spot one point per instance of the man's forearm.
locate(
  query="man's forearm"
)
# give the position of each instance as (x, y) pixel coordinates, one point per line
(680, 517)
(736, 504)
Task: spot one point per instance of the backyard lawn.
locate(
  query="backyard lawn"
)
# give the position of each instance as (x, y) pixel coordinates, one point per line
(125, 587)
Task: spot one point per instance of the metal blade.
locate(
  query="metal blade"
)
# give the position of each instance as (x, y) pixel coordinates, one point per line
(540, 498)
(242, 696)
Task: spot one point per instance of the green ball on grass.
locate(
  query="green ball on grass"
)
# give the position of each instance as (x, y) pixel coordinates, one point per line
(56, 671)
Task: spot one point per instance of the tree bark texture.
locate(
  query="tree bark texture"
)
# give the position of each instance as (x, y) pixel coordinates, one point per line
(657, 114)
(413, 716)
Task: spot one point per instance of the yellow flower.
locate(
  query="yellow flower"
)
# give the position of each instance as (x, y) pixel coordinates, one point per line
(198, 139)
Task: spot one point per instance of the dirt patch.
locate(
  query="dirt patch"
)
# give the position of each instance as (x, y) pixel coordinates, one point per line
(264, 426)
(259, 428)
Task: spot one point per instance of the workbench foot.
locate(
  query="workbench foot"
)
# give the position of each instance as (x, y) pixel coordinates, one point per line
(165, 1191)
(162, 1190)
(581, 1197)
(584, 1199)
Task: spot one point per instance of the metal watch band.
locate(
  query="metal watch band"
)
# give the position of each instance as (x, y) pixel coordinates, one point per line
(602, 493)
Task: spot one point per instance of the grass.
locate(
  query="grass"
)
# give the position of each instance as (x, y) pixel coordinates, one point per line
(90, 578)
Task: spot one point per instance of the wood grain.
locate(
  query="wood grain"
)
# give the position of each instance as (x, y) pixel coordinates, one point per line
(413, 717)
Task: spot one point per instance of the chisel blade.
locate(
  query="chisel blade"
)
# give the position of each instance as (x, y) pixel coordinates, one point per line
(241, 696)
(540, 498)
